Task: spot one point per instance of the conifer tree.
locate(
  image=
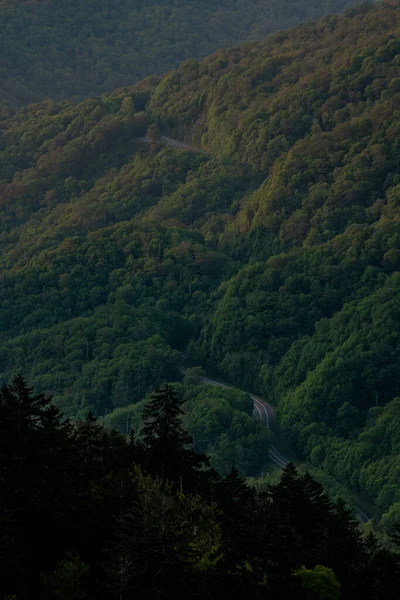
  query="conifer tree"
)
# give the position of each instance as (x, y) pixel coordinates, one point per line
(344, 552)
(380, 572)
(143, 559)
(238, 527)
(167, 448)
(35, 491)
(311, 529)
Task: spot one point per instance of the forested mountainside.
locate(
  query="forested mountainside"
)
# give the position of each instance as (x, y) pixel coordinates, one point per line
(90, 514)
(273, 255)
(71, 49)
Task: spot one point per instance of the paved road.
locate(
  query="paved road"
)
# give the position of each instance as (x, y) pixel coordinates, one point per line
(361, 515)
(267, 413)
(181, 145)
(176, 144)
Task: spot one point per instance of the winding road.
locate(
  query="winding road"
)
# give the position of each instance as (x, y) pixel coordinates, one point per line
(267, 413)
(264, 411)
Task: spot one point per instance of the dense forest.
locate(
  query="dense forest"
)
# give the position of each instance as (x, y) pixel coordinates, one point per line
(272, 256)
(72, 49)
(220, 422)
(91, 514)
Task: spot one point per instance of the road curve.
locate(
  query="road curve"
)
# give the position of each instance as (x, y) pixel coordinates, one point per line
(176, 144)
(182, 145)
(266, 413)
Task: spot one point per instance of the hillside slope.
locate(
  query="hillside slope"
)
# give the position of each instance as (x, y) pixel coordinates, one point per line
(275, 257)
(71, 50)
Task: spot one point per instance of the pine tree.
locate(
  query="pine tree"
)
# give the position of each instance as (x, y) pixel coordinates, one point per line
(66, 582)
(309, 530)
(239, 532)
(106, 481)
(381, 573)
(35, 492)
(167, 448)
(344, 552)
(143, 559)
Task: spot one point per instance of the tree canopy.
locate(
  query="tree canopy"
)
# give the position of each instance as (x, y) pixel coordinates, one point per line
(272, 257)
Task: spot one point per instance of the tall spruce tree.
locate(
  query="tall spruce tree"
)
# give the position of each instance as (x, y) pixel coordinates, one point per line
(237, 573)
(35, 489)
(237, 502)
(144, 557)
(345, 552)
(381, 573)
(167, 449)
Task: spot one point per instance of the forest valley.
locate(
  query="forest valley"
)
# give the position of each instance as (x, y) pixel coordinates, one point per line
(272, 257)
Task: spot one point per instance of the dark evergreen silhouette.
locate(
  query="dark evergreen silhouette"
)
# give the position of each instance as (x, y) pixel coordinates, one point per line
(35, 484)
(91, 514)
(167, 449)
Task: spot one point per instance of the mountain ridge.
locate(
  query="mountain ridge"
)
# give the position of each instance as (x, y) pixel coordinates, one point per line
(79, 48)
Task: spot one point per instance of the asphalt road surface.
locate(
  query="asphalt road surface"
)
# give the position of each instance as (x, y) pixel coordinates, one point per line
(176, 144)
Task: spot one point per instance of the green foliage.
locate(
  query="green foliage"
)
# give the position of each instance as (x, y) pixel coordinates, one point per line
(65, 583)
(193, 376)
(319, 583)
(274, 257)
(80, 48)
(125, 419)
(222, 426)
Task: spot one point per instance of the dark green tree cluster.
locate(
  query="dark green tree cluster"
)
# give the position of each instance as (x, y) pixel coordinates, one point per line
(87, 513)
(220, 422)
(71, 50)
